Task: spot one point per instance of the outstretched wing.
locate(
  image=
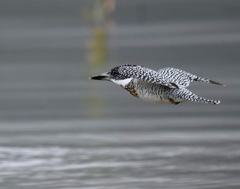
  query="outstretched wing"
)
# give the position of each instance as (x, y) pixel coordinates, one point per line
(145, 74)
(179, 77)
(182, 78)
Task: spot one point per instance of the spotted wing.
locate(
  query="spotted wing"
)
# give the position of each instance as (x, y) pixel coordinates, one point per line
(182, 78)
(176, 76)
(147, 75)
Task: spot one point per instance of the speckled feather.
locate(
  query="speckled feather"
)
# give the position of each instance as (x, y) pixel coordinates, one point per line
(146, 74)
(167, 85)
(156, 93)
(182, 78)
(170, 77)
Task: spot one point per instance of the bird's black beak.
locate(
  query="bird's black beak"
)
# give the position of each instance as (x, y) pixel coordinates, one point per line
(103, 76)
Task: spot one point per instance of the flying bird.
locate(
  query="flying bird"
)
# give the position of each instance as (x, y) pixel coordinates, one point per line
(167, 85)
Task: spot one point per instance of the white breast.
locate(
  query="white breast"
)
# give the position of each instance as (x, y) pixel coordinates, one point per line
(122, 82)
(151, 92)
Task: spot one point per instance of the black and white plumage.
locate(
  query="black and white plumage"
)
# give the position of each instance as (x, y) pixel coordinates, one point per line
(167, 85)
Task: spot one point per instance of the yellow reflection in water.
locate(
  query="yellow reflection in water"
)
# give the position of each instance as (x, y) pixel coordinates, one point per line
(97, 51)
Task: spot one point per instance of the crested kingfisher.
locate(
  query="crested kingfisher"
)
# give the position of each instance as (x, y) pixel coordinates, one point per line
(167, 85)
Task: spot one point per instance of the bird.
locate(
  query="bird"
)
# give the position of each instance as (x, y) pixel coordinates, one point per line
(167, 85)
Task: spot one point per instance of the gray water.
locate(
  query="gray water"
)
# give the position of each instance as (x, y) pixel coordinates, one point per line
(60, 130)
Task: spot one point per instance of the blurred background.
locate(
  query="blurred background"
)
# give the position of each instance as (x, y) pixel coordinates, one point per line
(58, 129)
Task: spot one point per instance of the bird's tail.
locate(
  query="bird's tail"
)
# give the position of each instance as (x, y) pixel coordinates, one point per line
(201, 79)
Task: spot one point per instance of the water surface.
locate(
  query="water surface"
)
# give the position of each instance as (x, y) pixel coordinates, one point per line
(60, 130)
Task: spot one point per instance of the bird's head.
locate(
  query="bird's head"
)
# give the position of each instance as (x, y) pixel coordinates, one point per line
(114, 75)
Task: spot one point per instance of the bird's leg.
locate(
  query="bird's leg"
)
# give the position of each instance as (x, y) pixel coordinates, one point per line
(172, 101)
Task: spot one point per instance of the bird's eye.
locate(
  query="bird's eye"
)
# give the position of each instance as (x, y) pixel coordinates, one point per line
(114, 72)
